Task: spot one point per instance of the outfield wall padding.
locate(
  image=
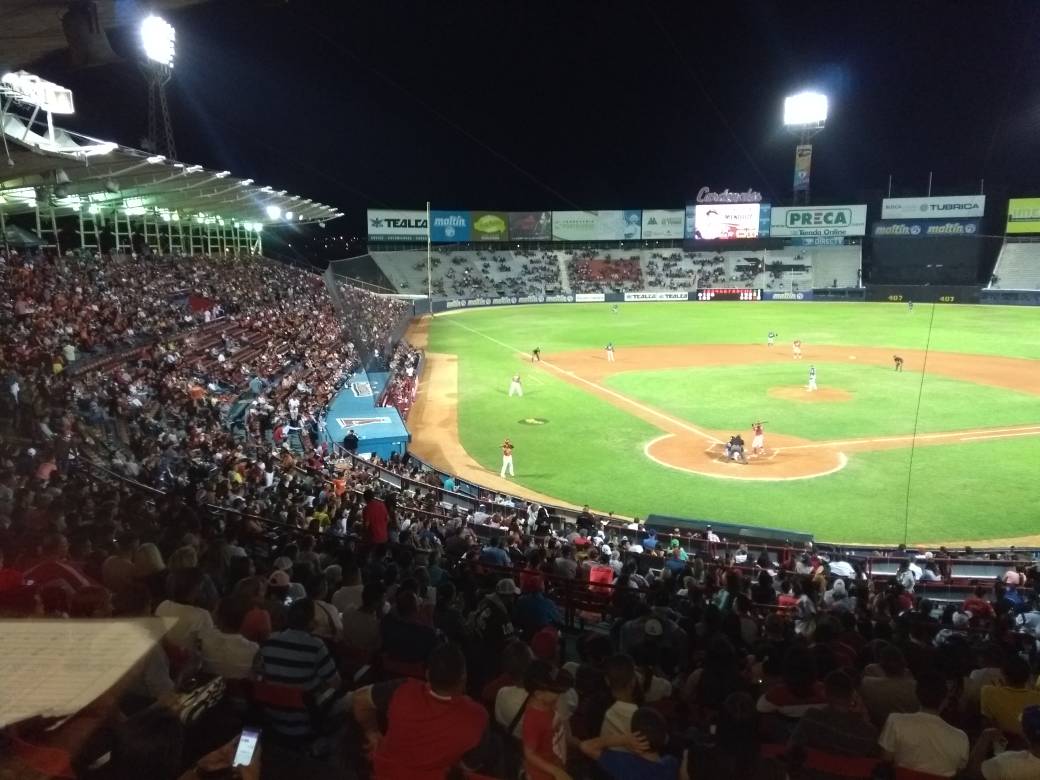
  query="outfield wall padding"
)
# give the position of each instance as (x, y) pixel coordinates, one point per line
(922, 293)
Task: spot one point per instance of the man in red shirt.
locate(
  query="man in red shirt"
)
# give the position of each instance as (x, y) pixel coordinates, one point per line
(432, 726)
(54, 568)
(376, 518)
(977, 606)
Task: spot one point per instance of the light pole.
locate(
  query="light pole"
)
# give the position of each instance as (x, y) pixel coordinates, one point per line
(804, 114)
(158, 39)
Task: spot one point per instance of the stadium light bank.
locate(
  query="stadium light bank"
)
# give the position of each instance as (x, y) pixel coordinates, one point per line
(804, 114)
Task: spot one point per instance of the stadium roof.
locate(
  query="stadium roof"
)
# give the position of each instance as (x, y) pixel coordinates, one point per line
(51, 167)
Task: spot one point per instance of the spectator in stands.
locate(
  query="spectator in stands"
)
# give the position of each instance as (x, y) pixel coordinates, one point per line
(185, 586)
(625, 689)
(640, 754)
(977, 605)
(54, 568)
(798, 692)
(224, 650)
(544, 732)
(118, 570)
(534, 611)
(923, 741)
(1009, 764)
(1002, 705)
(298, 659)
(362, 635)
(376, 519)
(405, 636)
(431, 726)
(894, 690)
(839, 727)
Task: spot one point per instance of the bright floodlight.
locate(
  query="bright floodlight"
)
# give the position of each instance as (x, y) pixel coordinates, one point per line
(805, 108)
(273, 212)
(288, 216)
(158, 38)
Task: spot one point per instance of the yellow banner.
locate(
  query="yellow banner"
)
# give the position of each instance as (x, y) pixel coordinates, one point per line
(1023, 215)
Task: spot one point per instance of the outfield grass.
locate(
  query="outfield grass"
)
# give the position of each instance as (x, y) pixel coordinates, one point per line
(592, 452)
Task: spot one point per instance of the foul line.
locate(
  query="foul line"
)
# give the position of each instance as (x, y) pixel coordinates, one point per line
(648, 409)
(991, 433)
(842, 462)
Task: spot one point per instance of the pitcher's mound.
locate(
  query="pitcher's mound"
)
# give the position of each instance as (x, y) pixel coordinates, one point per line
(825, 395)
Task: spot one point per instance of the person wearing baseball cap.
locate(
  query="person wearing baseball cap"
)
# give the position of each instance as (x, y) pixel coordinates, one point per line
(544, 729)
(1009, 764)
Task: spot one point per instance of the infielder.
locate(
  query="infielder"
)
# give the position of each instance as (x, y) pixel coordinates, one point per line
(898, 361)
(770, 338)
(796, 349)
(812, 378)
(758, 442)
(610, 351)
(515, 388)
(507, 458)
(536, 355)
(614, 308)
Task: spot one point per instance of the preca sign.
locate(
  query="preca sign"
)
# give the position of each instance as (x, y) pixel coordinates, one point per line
(794, 222)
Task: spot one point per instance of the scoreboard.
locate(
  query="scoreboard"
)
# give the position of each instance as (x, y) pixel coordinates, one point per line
(729, 294)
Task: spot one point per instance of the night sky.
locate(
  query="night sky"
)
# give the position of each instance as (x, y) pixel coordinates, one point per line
(532, 105)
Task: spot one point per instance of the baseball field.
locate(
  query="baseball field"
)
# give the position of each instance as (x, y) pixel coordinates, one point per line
(947, 450)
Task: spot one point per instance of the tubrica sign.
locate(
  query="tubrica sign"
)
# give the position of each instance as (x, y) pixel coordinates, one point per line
(940, 207)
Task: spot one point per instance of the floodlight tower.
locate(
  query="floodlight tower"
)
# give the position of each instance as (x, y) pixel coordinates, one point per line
(158, 39)
(804, 114)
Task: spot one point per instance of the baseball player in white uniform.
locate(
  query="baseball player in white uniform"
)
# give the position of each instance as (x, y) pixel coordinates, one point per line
(515, 388)
(812, 378)
(507, 458)
(758, 441)
(610, 351)
(796, 349)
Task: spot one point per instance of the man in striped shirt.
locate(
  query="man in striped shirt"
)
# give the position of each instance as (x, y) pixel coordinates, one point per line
(297, 658)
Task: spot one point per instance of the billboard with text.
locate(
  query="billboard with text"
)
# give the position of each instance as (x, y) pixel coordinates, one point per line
(530, 226)
(942, 207)
(663, 223)
(489, 226)
(810, 221)
(1023, 215)
(613, 225)
(449, 227)
(913, 228)
(396, 225)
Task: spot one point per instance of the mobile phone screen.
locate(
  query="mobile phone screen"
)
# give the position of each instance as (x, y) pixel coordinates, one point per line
(246, 746)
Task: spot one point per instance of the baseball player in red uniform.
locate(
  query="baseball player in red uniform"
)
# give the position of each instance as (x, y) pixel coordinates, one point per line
(796, 349)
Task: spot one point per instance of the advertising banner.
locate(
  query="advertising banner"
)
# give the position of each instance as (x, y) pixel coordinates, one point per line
(818, 241)
(818, 221)
(589, 298)
(802, 166)
(914, 228)
(615, 225)
(663, 223)
(489, 226)
(505, 300)
(956, 206)
(530, 226)
(449, 227)
(1023, 215)
(806, 295)
(661, 295)
(396, 225)
(723, 221)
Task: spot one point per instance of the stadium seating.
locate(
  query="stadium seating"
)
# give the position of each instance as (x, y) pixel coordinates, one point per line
(471, 273)
(1018, 266)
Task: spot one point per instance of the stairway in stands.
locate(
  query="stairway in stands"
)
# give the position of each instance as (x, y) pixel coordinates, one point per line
(295, 442)
(565, 277)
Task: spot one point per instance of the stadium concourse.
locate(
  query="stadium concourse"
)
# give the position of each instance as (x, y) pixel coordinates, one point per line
(163, 454)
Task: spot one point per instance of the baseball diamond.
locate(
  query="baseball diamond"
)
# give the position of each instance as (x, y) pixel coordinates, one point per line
(645, 433)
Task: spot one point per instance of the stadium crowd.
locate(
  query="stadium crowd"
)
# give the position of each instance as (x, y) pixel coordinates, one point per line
(378, 630)
(589, 272)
